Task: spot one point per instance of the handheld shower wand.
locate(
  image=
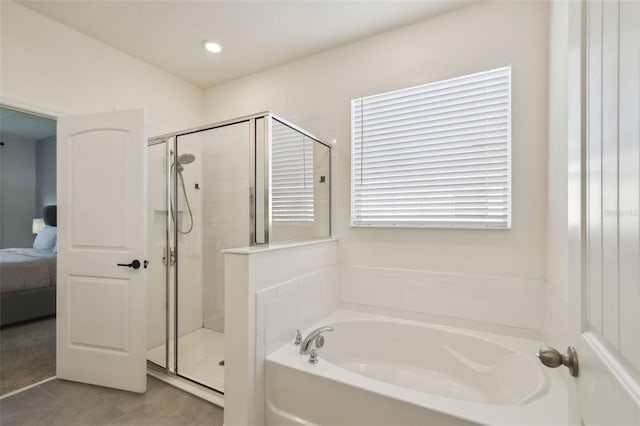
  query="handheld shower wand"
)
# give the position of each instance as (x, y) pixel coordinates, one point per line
(183, 159)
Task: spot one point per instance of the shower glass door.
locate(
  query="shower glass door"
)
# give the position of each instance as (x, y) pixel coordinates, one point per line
(211, 183)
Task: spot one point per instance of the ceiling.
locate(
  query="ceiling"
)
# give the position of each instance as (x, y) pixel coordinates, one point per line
(254, 35)
(25, 126)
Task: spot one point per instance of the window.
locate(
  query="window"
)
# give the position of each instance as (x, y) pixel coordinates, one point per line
(292, 198)
(436, 155)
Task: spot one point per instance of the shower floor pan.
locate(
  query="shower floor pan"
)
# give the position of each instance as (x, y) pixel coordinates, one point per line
(199, 356)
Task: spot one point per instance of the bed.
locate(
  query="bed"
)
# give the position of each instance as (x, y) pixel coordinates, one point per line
(28, 276)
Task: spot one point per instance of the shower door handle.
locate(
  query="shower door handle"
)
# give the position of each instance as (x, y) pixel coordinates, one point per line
(135, 264)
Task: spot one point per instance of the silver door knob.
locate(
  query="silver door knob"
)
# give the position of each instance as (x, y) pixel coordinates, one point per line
(552, 358)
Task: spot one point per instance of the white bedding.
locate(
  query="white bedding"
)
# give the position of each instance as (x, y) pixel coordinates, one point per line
(26, 268)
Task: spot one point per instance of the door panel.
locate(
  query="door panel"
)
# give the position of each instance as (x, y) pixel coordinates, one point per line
(604, 209)
(101, 322)
(609, 250)
(629, 164)
(604, 397)
(91, 301)
(113, 148)
(594, 162)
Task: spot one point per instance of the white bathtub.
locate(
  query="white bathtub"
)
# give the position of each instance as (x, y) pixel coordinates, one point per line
(377, 370)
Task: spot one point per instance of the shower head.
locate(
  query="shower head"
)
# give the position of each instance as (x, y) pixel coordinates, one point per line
(182, 159)
(186, 158)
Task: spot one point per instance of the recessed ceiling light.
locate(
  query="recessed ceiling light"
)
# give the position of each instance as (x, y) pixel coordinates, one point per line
(212, 46)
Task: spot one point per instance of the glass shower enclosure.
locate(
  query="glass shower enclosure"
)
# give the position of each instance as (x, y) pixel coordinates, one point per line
(254, 180)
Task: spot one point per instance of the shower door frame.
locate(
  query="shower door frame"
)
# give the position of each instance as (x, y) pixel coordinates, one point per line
(168, 252)
(260, 218)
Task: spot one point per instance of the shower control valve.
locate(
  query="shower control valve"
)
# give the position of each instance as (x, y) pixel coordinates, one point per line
(172, 258)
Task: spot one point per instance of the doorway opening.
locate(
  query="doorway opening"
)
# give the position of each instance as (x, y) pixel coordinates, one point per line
(28, 247)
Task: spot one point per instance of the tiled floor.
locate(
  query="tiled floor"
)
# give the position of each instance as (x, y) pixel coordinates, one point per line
(60, 402)
(199, 354)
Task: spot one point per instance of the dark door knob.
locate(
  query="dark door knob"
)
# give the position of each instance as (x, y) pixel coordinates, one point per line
(135, 264)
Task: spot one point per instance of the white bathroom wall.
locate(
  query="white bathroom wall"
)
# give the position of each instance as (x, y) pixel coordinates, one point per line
(45, 173)
(270, 291)
(49, 67)
(556, 293)
(315, 93)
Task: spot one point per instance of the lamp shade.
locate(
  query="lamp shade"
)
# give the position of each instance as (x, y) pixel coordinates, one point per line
(38, 224)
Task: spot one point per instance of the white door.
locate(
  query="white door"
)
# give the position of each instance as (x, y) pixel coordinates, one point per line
(604, 211)
(101, 319)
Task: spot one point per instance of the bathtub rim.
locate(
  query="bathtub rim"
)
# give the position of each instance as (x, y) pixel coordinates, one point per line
(549, 406)
(539, 389)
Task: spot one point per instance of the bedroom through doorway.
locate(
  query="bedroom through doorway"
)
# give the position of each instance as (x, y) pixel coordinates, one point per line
(28, 247)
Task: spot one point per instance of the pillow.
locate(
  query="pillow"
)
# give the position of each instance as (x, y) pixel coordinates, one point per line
(46, 238)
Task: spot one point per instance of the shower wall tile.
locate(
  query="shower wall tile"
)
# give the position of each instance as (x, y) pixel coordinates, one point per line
(235, 236)
(295, 304)
(213, 186)
(275, 267)
(236, 214)
(235, 188)
(500, 304)
(285, 307)
(291, 288)
(556, 319)
(280, 315)
(213, 217)
(225, 190)
(235, 167)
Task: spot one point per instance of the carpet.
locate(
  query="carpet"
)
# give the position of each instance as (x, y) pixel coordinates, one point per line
(27, 353)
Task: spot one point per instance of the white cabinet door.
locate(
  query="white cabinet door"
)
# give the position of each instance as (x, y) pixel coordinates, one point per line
(604, 210)
(101, 321)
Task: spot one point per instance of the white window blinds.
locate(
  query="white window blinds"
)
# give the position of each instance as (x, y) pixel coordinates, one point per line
(292, 197)
(436, 155)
